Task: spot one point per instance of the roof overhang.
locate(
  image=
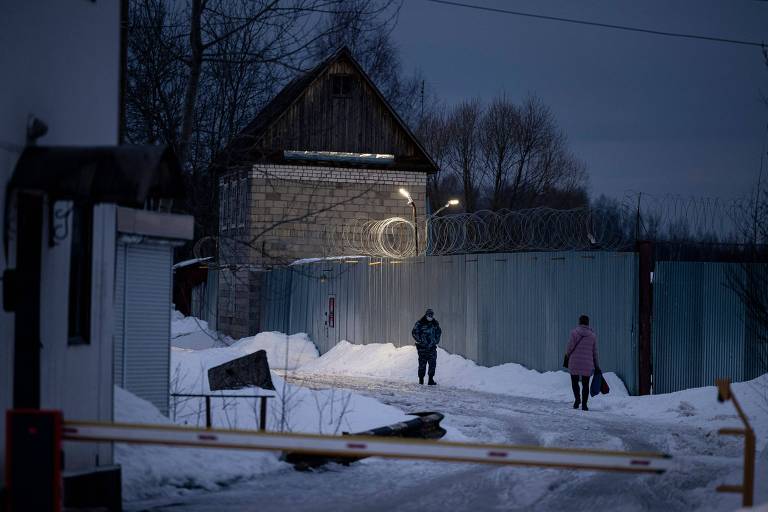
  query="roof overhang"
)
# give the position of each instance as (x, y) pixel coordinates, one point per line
(124, 175)
(170, 226)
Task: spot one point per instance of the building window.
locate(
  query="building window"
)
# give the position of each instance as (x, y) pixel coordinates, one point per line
(232, 203)
(80, 275)
(243, 202)
(224, 199)
(221, 206)
(341, 85)
(231, 301)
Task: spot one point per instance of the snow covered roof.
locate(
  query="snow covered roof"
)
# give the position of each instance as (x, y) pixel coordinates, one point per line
(193, 261)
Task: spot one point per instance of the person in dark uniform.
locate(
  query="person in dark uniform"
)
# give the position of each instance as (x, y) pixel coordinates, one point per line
(427, 333)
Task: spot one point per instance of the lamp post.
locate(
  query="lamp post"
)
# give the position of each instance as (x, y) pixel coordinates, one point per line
(451, 202)
(405, 194)
(427, 232)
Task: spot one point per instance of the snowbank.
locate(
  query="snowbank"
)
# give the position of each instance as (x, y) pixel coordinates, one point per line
(386, 361)
(150, 471)
(699, 406)
(192, 333)
(294, 408)
(693, 406)
(283, 352)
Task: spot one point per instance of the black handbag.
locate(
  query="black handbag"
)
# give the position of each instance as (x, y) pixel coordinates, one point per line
(567, 355)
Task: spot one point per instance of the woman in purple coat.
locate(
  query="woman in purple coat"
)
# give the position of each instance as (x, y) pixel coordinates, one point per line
(582, 360)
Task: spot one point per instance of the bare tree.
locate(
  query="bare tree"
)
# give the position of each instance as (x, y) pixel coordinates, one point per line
(508, 155)
(750, 280)
(497, 146)
(433, 130)
(536, 136)
(463, 154)
(199, 71)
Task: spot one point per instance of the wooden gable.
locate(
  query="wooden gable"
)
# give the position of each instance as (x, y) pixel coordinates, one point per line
(335, 107)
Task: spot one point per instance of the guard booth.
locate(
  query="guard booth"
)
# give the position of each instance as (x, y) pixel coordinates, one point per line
(67, 211)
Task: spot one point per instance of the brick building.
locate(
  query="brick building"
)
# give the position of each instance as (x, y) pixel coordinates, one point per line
(325, 154)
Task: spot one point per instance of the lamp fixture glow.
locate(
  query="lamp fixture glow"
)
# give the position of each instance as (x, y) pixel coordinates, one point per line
(412, 204)
(451, 202)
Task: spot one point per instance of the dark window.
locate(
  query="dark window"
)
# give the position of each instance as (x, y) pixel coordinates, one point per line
(80, 275)
(341, 85)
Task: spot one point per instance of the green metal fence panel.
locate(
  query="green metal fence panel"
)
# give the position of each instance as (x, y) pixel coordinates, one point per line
(493, 308)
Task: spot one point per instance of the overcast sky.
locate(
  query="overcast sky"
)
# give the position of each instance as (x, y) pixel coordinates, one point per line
(645, 112)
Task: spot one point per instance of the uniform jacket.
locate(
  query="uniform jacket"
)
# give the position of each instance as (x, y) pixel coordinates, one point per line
(426, 333)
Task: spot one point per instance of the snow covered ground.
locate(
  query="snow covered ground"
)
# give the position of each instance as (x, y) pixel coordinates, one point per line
(507, 404)
(695, 407)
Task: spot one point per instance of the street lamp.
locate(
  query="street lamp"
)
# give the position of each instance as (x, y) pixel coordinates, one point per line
(405, 194)
(428, 224)
(451, 202)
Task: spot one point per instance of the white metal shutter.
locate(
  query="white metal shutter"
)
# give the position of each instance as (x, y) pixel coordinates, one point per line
(147, 322)
(119, 315)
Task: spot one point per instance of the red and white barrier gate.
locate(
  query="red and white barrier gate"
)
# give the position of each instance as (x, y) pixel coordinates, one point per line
(361, 446)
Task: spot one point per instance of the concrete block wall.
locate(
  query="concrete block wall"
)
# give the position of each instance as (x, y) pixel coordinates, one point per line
(297, 211)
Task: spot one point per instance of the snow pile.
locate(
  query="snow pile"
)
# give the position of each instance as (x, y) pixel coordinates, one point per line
(385, 361)
(283, 352)
(294, 408)
(700, 406)
(149, 471)
(193, 333)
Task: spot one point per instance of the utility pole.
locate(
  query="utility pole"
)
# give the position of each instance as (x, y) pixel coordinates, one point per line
(422, 101)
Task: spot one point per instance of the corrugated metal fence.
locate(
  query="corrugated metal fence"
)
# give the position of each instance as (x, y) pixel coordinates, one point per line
(493, 308)
(700, 330)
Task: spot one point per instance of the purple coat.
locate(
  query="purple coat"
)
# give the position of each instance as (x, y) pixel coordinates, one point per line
(583, 358)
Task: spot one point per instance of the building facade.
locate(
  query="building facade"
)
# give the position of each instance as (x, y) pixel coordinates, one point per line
(60, 64)
(70, 199)
(325, 156)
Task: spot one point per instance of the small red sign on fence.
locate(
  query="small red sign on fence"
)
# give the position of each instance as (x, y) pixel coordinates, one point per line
(331, 311)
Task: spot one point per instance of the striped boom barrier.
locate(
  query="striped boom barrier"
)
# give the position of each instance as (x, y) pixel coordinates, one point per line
(367, 446)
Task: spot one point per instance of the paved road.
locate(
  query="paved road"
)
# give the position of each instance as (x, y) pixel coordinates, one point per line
(702, 461)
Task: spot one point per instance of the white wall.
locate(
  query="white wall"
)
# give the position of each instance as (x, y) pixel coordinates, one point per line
(59, 61)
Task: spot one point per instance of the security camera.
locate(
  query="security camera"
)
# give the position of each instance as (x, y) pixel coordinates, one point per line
(36, 128)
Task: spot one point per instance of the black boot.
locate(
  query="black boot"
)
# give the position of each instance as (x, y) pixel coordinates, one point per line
(421, 379)
(431, 382)
(575, 388)
(584, 407)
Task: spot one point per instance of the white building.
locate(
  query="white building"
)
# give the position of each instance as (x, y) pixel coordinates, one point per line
(60, 206)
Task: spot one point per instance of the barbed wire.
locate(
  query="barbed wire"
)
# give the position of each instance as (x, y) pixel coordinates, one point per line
(611, 226)
(536, 229)
(689, 218)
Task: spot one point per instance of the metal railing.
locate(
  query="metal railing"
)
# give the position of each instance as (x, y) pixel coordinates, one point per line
(208, 414)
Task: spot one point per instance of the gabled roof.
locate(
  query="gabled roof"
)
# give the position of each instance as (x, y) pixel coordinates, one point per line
(294, 91)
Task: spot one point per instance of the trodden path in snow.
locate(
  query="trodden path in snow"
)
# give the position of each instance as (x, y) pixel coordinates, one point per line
(702, 460)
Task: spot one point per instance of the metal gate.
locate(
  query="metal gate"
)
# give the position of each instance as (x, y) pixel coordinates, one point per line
(700, 329)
